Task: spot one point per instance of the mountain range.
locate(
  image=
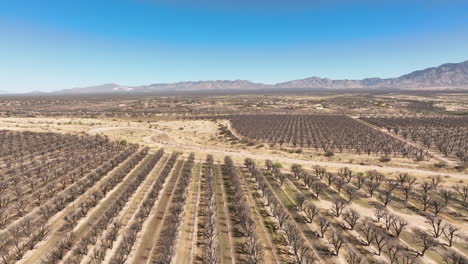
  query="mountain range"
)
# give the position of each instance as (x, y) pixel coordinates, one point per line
(446, 76)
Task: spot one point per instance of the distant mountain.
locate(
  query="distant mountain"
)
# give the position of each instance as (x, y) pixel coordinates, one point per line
(446, 76)
(204, 86)
(100, 89)
(450, 75)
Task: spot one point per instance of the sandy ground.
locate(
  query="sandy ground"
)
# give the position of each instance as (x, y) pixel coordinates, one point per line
(188, 230)
(146, 243)
(202, 137)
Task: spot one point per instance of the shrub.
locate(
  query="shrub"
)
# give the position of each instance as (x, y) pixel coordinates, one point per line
(385, 159)
(244, 141)
(278, 165)
(329, 154)
(440, 164)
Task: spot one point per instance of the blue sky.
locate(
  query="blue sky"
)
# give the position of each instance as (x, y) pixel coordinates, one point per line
(51, 44)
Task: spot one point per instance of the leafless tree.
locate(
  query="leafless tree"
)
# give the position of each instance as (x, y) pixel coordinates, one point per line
(426, 187)
(351, 191)
(330, 178)
(281, 178)
(385, 197)
(398, 225)
(281, 216)
(338, 206)
(324, 225)
(371, 186)
(450, 232)
(336, 239)
(339, 184)
(446, 195)
(381, 239)
(393, 251)
(388, 220)
(310, 211)
(436, 225)
(297, 171)
(435, 182)
(359, 181)
(353, 257)
(255, 254)
(438, 205)
(319, 171)
(425, 240)
(462, 192)
(408, 258)
(346, 174)
(318, 188)
(301, 199)
(368, 230)
(351, 217)
(379, 213)
(453, 257)
(425, 200)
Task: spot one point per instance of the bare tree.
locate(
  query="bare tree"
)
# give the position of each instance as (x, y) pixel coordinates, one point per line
(450, 232)
(379, 213)
(398, 225)
(425, 240)
(339, 184)
(359, 181)
(351, 217)
(393, 251)
(318, 188)
(446, 195)
(407, 190)
(436, 224)
(351, 191)
(281, 178)
(254, 252)
(310, 211)
(346, 174)
(425, 200)
(388, 220)
(371, 187)
(463, 192)
(301, 199)
(385, 197)
(368, 230)
(438, 205)
(338, 206)
(336, 239)
(453, 257)
(426, 187)
(330, 178)
(435, 182)
(324, 225)
(281, 216)
(353, 257)
(381, 240)
(297, 171)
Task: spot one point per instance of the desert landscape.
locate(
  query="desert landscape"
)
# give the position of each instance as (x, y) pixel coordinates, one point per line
(303, 178)
(233, 132)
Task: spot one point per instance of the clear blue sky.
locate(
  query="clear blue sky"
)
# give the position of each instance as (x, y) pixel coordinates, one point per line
(58, 44)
